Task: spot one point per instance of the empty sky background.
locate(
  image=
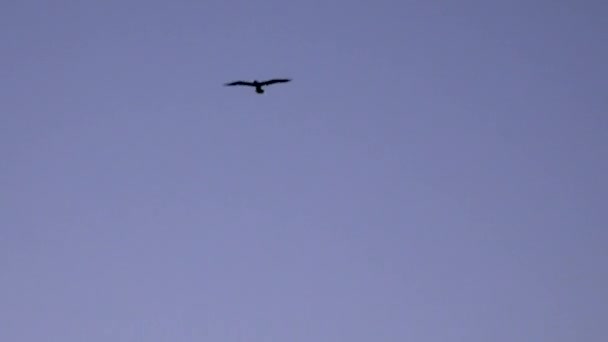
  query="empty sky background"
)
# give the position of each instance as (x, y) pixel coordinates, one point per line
(435, 172)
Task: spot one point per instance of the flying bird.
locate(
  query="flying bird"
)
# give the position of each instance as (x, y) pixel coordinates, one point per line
(258, 85)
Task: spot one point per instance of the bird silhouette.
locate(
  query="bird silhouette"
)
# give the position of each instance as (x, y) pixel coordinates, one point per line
(258, 85)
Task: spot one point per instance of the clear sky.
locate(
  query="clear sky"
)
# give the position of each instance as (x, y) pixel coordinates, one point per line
(436, 171)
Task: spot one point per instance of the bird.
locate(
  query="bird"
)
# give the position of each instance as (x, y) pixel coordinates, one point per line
(258, 85)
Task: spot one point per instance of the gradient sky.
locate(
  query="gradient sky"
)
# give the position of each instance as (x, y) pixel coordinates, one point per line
(435, 172)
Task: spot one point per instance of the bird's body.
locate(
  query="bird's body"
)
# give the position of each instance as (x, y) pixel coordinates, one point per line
(258, 85)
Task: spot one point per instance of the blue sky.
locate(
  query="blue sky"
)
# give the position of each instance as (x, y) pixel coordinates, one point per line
(434, 171)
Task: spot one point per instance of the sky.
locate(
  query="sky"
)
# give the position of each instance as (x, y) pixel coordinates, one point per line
(436, 171)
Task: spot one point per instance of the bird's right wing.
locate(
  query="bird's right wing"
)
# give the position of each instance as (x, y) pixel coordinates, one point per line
(239, 83)
(276, 80)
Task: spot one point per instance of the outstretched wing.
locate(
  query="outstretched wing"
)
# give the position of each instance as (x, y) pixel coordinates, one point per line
(276, 80)
(239, 83)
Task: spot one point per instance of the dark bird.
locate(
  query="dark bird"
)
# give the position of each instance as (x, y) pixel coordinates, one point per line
(258, 85)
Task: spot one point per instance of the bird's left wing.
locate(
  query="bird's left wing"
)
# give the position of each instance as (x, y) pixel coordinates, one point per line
(239, 83)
